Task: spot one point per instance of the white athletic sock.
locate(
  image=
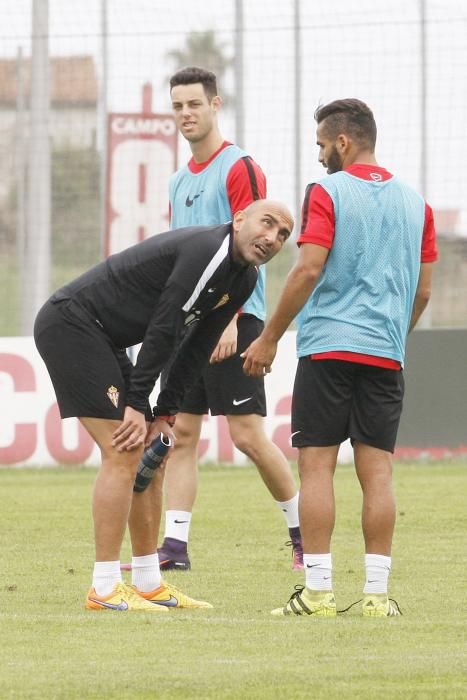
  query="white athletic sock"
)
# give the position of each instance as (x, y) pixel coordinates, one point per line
(105, 576)
(377, 568)
(318, 571)
(290, 510)
(177, 524)
(145, 572)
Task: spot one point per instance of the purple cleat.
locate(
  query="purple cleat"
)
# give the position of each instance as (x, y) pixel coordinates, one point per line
(174, 555)
(297, 552)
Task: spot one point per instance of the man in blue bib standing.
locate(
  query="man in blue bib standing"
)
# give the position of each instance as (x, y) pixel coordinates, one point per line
(219, 180)
(361, 282)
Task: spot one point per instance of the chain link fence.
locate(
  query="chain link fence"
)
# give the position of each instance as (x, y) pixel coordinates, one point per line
(275, 63)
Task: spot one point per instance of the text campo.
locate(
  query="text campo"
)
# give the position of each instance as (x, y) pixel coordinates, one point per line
(143, 126)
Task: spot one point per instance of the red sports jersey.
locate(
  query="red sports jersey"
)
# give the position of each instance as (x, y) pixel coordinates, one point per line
(245, 181)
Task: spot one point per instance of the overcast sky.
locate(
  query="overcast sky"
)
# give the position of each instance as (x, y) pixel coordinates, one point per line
(361, 48)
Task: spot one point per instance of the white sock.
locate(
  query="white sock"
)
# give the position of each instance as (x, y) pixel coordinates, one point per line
(177, 524)
(105, 576)
(377, 568)
(145, 572)
(290, 510)
(318, 571)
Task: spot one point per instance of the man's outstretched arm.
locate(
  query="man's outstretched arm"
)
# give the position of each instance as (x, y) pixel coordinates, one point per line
(299, 284)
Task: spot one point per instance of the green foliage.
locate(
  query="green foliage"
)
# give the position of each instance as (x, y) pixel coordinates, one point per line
(75, 223)
(10, 292)
(53, 648)
(8, 221)
(276, 273)
(75, 207)
(10, 295)
(203, 50)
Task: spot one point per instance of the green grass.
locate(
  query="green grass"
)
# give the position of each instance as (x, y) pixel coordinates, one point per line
(50, 647)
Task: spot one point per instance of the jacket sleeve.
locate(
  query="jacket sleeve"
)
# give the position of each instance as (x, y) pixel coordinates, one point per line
(158, 345)
(166, 324)
(194, 353)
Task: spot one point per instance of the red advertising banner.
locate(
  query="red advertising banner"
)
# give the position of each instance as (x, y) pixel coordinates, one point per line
(141, 156)
(31, 432)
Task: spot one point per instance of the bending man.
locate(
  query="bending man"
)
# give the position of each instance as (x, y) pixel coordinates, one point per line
(179, 289)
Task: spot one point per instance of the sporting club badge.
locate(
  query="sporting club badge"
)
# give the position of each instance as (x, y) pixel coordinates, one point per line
(222, 301)
(113, 394)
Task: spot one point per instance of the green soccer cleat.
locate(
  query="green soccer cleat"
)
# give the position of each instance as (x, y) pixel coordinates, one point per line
(123, 598)
(306, 602)
(379, 605)
(170, 597)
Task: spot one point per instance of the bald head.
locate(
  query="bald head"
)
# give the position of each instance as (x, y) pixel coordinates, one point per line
(260, 231)
(274, 208)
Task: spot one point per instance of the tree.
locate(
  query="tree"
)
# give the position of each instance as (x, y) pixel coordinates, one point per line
(201, 49)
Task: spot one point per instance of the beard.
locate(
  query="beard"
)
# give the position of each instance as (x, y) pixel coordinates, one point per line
(334, 161)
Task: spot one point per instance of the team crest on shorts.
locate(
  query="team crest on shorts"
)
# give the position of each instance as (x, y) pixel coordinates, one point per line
(113, 394)
(222, 301)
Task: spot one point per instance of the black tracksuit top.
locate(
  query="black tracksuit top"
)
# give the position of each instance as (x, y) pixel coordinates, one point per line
(174, 293)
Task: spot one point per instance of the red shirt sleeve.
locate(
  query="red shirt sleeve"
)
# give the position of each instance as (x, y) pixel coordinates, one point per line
(245, 183)
(318, 219)
(429, 247)
(318, 223)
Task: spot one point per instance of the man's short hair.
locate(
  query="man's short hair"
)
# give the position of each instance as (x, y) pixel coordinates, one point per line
(351, 117)
(193, 74)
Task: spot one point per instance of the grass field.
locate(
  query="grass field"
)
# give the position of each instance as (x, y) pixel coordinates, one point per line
(50, 647)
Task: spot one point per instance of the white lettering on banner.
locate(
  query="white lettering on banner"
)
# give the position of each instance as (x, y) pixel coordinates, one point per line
(143, 126)
(135, 216)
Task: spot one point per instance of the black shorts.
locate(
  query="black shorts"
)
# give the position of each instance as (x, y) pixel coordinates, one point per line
(224, 389)
(334, 400)
(89, 374)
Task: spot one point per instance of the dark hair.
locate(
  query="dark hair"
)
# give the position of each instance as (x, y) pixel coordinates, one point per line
(193, 74)
(350, 116)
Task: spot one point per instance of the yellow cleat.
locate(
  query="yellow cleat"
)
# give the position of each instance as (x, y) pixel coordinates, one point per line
(306, 602)
(169, 596)
(123, 598)
(379, 605)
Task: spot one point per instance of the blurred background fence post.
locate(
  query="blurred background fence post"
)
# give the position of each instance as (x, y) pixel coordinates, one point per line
(65, 66)
(36, 270)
